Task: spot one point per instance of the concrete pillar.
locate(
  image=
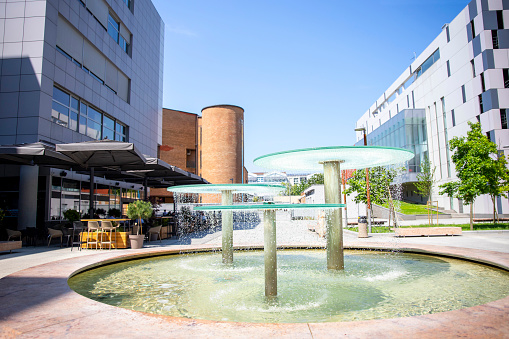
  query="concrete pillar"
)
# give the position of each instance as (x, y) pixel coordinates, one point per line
(227, 228)
(27, 204)
(332, 190)
(270, 253)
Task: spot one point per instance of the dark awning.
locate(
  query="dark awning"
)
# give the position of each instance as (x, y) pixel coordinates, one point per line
(103, 153)
(37, 153)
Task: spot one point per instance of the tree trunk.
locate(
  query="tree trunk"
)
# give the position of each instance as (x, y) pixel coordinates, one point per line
(494, 209)
(472, 216)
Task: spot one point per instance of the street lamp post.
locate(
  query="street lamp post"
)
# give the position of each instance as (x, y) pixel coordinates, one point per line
(368, 205)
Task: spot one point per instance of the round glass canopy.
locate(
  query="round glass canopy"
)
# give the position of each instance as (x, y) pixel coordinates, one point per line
(351, 157)
(267, 207)
(258, 189)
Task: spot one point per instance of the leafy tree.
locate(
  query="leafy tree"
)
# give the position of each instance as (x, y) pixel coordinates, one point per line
(426, 179)
(297, 189)
(478, 167)
(139, 210)
(380, 179)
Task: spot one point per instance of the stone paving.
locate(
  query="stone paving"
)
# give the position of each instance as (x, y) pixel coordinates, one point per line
(37, 302)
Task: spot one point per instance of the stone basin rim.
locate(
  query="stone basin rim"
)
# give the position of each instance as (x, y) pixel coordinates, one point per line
(50, 320)
(217, 249)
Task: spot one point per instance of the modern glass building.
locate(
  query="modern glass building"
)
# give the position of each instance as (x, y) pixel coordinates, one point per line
(462, 76)
(73, 71)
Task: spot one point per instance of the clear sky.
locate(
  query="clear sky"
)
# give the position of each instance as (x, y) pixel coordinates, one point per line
(304, 71)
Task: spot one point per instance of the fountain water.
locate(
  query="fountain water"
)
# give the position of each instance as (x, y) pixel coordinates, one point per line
(226, 191)
(269, 228)
(331, 160)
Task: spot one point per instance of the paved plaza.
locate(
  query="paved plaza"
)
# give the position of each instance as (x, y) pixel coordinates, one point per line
(251, 232)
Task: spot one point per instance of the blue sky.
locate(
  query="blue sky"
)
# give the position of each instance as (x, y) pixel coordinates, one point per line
(304, 71)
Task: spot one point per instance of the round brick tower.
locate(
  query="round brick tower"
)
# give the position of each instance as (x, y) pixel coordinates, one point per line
(222, 133)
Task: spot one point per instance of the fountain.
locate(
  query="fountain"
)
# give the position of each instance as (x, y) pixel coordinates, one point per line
(226, 191)
(269, 233)
(187, 283)
(331, 159)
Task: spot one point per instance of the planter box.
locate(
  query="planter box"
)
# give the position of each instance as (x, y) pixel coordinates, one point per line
(9, 245)
(120, 239)
(425, 231)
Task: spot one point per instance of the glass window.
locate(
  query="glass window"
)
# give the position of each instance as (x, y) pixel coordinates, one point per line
(60, 96)
(74, 103)
(73, 122)
(94, 115)
(83, 124)
(108, 122)
(60, 114)
(93, 129)
(113, 28)
(108, 134)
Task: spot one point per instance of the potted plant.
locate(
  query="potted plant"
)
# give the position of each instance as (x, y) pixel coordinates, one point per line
(72, 215)
(138, 210)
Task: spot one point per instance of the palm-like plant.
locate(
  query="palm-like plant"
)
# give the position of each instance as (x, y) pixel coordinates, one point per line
(139, 210)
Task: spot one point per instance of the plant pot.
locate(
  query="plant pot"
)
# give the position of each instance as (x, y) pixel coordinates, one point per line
(136, 240)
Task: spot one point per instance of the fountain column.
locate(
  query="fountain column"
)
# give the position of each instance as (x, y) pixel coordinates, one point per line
(227, 228)
(332, 188)
(269, 250)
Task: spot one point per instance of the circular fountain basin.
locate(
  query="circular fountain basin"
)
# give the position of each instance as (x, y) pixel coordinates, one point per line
(351, 157)
(374, 285)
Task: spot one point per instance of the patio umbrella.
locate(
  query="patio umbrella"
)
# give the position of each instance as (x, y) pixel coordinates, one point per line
(102, 153)
(37, 153)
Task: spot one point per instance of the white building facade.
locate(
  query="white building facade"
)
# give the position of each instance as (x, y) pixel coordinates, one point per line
(461, 76)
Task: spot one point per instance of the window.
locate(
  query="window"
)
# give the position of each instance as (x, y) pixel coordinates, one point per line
(473, 67)
(447, 33)
(472, 28)
(481, 108)
(127, 3)
(428, 63)
(114, 32)
(494, 38)
(505, 73)
(64, 109)
(448, 69)
(483, 84)
(453, 118)
(500, 20)
(191, 158)
(464, 95)
(71, 112)
(503, 118)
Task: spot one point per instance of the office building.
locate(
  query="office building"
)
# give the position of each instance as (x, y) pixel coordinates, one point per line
(461, 76)
(73, 71)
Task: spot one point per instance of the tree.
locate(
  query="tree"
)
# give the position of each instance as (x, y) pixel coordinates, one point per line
(478, 167)
(139, 210)
(297, 189)
(380, 179)
(426, 179)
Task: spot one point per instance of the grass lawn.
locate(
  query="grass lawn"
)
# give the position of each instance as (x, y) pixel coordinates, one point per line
(464, 227)
(408, 208)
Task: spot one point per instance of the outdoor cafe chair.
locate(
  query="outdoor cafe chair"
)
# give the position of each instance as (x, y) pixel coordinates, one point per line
(154, 230)
(54, 233)
(13, 234)
(93, 227)
(77, 237)
(107, 229)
